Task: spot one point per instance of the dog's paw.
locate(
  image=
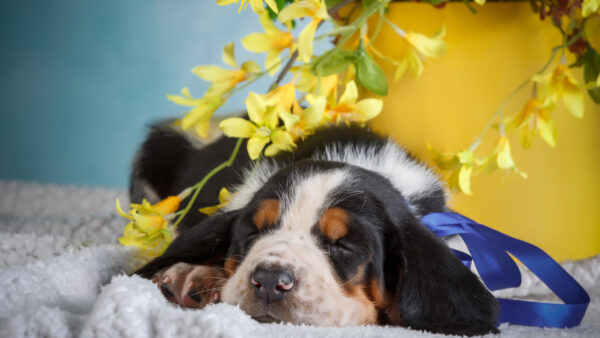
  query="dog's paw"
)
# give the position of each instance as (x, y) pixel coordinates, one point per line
(192, 286)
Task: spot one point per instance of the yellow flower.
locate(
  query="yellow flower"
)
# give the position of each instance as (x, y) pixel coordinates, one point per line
(261, 129)
(257, 5)
(301, 122)
(589, 7)
(273, 41)
(532, 118)
(592, 31)
(149, 247)
(282, 97)
(348, 109)
(421, 46)
(224, 80)
(199, 116)
(416, 47)
(560, 84)
(317, 85)
(224, 199)
(458, 167)
(480, 2)
(149, 228)
(317, 10)
(500, 158)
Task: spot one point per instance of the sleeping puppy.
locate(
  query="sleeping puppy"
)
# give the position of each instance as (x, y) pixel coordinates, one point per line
(327, 235)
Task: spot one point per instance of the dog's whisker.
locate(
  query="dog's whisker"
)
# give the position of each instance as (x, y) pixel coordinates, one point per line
(204, 291)
(209, 277)
(227, 270)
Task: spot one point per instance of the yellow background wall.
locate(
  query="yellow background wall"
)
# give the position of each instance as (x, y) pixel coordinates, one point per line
(490, 54)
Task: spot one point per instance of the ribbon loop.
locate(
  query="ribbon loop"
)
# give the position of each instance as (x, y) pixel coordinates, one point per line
(489, 252)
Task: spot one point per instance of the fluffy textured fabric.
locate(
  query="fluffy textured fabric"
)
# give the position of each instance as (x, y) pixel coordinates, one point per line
(63, 274)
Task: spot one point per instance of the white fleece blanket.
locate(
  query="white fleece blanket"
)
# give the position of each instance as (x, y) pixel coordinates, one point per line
(62, 274)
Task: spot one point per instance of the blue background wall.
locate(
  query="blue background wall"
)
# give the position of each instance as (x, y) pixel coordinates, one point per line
(80, 79)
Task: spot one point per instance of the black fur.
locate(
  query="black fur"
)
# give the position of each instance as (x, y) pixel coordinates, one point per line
(432, 289)
(168, 163)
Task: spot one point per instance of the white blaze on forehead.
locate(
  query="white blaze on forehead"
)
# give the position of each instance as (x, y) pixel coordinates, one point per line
(310, 196)
(409, 176)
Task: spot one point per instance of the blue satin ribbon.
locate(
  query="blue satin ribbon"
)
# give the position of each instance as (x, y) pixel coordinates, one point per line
(489, 251)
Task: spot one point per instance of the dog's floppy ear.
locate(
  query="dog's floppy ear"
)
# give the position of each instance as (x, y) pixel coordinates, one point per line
(205, 243)
(432, 290)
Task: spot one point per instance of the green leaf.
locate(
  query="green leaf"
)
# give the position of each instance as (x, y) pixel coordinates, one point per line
(591, 64)
(369, 74)
(332, 62)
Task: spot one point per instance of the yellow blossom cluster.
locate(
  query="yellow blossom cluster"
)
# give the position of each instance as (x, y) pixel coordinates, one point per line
(459, 167)
(277, 119)
(266, 112)
(223, 81)
(150, 227)
(298, 120)
(535, 117)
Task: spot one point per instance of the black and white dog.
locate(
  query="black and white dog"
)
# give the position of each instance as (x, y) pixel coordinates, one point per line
(327, 235)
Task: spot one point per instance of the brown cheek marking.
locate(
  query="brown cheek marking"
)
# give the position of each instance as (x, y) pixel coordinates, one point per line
(379, 299)
(267, 213)
(354, 288)
(357, 291)
(230, 266)
(334, 223)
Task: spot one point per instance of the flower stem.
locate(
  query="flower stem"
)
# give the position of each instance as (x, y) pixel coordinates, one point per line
(198, 186)
(377, 29)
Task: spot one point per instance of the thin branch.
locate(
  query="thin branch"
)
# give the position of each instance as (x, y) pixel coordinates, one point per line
(332, 11)
(285, 70)
(198, 186)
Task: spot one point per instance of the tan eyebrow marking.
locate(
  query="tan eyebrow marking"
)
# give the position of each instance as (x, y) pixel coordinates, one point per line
(267, 213)
(334, 223)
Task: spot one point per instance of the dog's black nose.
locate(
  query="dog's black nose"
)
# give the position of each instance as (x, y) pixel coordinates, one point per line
(271, 285)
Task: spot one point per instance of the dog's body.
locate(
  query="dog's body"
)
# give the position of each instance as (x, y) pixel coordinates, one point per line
(327, 235)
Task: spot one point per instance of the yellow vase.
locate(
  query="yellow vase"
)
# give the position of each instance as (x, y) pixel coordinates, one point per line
(490, 54)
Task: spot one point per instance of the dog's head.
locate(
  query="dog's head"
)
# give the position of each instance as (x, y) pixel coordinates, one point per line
(328, 244)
